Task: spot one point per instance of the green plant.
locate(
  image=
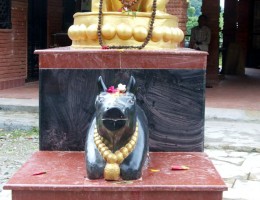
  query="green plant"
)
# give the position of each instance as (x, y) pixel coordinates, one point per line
(194, 11)
(34, 132)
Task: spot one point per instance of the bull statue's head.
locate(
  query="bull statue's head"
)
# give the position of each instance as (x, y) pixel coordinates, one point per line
(116, 113)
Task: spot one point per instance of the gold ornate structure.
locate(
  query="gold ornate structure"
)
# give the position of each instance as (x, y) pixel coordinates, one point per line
(126, 23)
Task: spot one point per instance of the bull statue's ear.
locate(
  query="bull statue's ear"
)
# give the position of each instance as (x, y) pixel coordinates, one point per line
(131, 85)
(101, 85)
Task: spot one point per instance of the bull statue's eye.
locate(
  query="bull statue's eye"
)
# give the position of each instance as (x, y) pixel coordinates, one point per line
(101, 99)
(132, 101)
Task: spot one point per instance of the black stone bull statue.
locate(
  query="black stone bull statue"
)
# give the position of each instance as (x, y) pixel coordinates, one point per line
(117, 140)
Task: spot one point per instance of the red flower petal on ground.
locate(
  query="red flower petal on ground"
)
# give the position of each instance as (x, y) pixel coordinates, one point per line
(179, 167)
(39, 173)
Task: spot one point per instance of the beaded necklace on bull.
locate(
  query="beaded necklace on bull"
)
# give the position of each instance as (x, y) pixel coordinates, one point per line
(127, 5)
(112, 169)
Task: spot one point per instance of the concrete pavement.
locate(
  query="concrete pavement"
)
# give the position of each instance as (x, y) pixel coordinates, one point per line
(19, 113)
(240, 171)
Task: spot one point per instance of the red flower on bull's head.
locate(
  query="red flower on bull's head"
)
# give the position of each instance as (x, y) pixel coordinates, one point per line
(112, 89)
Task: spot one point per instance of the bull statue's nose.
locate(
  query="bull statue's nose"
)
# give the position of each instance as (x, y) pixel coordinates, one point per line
(114, 119)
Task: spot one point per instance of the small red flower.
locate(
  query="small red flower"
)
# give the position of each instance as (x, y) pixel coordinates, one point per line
(105, 47)
(111, 89)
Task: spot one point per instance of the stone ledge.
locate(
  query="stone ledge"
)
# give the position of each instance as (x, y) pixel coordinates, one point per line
(65, 178)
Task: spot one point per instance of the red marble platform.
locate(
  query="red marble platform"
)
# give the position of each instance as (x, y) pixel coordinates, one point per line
(65, 179)
(69, 58)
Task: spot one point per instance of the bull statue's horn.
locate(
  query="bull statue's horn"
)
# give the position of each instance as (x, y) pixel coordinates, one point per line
(101, 85)
(131, 85)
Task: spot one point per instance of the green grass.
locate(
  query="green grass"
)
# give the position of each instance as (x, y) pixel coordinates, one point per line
(32, 133)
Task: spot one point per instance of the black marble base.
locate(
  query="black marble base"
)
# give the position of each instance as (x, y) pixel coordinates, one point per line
(173, 101)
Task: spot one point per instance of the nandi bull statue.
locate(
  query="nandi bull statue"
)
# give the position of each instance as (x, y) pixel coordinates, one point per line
(117, 140)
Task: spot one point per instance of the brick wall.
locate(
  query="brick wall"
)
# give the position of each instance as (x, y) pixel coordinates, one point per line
(13, 42)
(13, 48)
(55, 9)
(179, 9)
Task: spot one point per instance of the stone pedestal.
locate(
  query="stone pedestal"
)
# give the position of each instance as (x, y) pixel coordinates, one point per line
(65, 179)
(171, 91)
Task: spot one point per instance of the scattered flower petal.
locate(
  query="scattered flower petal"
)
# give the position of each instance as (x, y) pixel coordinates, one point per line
(180, 167)
(39, 173)
(125, 8)
(154, 170)
(105, 47)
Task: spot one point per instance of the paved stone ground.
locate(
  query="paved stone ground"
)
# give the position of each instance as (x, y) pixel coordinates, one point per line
(234, 135)
(15, 148)
(10, 120)
(240, 171)
(233, 147)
